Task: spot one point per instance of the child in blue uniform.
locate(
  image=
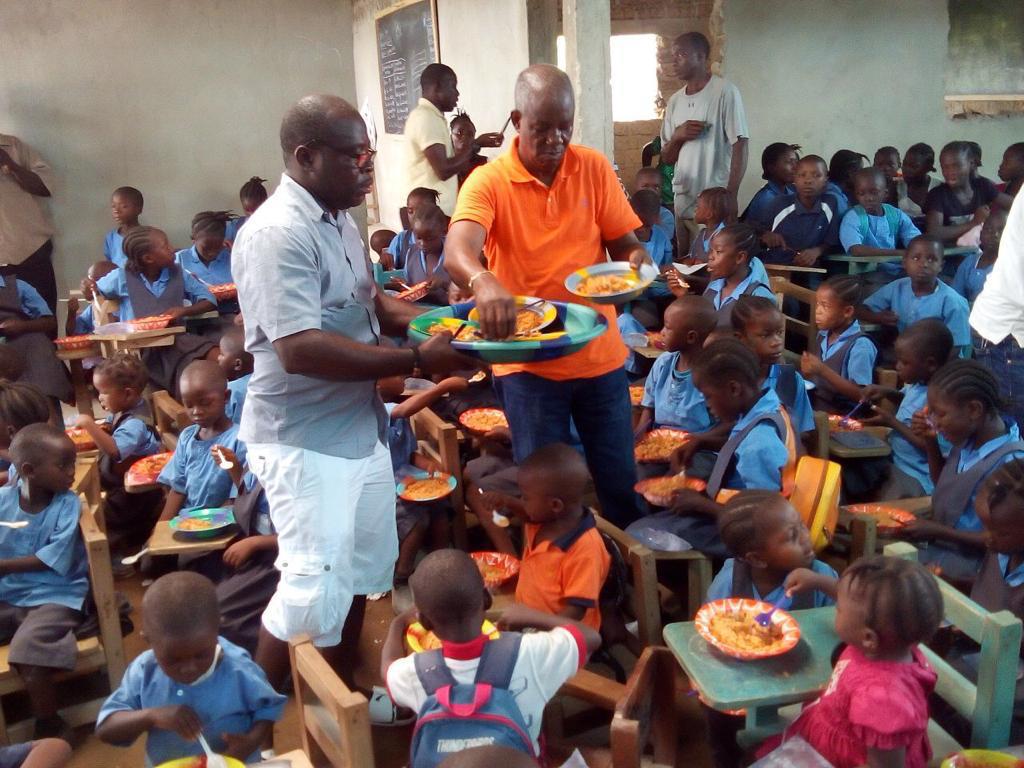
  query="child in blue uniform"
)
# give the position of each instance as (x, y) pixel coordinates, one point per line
(124, 437)
(974, 270)
(841, 168)
(731, 269)
(27, 325)
(45, 573)
(843, 358)
(964, 407)
(419, 197)
(151, 283)
(650, 178)
(756, 455)
(20, 405)
(920, 294)
(252, 195)
(209, 257)
(192, 682)
(237, 365)
(920, 351)
(425, 260)
(803, 226)
(778, 169)
(716, 208)
(126, 207)
(193, 476)
(887, 160)
(873, 227)
(647, 206)
(83, 322)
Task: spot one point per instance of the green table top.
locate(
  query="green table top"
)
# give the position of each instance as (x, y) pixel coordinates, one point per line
(955, 250)
(728, 683)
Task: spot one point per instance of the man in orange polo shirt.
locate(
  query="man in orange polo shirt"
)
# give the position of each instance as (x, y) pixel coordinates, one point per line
(539, 212)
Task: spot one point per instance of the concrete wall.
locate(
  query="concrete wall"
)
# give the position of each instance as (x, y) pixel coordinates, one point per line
(182, 100)
(848, 73)
(484, 41)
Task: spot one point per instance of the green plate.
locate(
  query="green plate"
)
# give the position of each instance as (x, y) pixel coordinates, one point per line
(579, 326)
(217, 519)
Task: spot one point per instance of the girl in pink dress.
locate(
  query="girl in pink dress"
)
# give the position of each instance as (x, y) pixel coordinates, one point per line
(875, 709)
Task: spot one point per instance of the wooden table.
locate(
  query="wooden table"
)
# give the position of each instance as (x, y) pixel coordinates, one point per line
(163, 542)
(761, 686)
(651, 353)
(87, 476)
(112, 343)
(858, 265)
(843, 452)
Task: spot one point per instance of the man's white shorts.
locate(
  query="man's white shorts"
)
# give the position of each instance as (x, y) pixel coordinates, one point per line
(335, 521)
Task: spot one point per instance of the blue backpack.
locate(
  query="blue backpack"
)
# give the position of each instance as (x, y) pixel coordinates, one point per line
(892, 220)
(459, 716)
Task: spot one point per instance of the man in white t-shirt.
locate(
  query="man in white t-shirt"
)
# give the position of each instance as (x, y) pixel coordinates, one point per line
(450, 601)
(431, 161)
(704, 132)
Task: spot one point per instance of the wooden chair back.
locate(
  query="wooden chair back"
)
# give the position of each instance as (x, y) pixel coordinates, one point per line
(647, 714)
(987, 705)
(806, 298)
(101, 579)
(438, 440)
(643, 581)
(335, 720)
(816, 498)
(169, 417)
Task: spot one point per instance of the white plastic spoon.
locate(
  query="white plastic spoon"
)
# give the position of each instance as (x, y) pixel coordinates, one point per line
(213, 760)
(133, 559)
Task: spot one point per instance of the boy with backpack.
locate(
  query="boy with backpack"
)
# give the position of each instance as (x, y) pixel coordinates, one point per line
(475, 691)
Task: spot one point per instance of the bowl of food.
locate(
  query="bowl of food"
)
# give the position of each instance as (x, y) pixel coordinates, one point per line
(430, 486)
(655, 339)
(199, 761)
(480, 421)
(414, 292)
(729, 626)
(613, 282)
(419, 638)
(202, 523)
(496, 567)
(82, 440)
(74, 343)
(982, 758)
(146, 470)
(659, 490)
(636, 394)
(885, 516)
(658, 444)
(533, 315)
(224, 291)
(152, 323)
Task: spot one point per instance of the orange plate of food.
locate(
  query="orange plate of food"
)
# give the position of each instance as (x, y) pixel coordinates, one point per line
(418, 638)
(199, 762)
(982, 758)
(654, 339)
(69, 343)
(145, 471)
(887, 517)
(636, 394)
(414, 292)
(837, 423)
(430, 487)
(659, 490)
(495, 567)
(224, 291)
(153, 323)
(729, 626)
(483, 420)
(82, 440)
(658, 444)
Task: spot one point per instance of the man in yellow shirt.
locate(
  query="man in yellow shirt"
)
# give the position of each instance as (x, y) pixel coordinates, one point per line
(431, 160)
(540, 211)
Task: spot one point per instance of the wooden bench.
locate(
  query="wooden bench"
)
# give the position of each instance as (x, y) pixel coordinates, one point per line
(439, 441)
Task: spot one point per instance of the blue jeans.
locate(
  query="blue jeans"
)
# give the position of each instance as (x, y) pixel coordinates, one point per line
(539, 412)
(1006, 362)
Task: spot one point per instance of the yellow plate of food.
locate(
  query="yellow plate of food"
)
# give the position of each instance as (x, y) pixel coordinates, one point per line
(982, 758)
(658, 444)
(729, 626)
(886, 516)
(532, 316)
(636, 394)
(427, 487)
(612, 282)
(199, 761)
(419, 638)
(483, 420)
(495, 567)
(659, 490)
(82, 440)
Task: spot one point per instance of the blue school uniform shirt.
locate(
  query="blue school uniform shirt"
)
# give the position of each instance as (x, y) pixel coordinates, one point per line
(658, 247)
(32, 304)
(802, 412)
(943, 303)
(217, 272)
(762, 455)
(133, 437)
(401, 440)
(721, 587)
(756, 214)
(232, 227)
(673, 396)
(859, 366)
(700, 246)
(970, 278)
(667, 223)
(905, 455)
(85, 323)
(629, 324)
(115, 286)
(193, 471)
(232, 699)
(236, 397)
(842, 201)
(878, 234)
(803, 227)
(1013, 578)
(971, 455)
(399, 247)
(112, 247)
(52, 535)
(752, 278)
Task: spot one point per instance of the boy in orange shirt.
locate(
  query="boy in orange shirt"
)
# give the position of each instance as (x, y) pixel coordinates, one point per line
(565, 562)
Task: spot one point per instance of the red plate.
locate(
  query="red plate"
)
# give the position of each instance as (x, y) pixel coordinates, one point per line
(82, 440)
(153, 323)
(415, 292)
(837, 423)
(659, 490)
(636, 394)
(658, 444)
(145, 471)
(887, 517)
(495, 567)
(782, 623)
(69, 343)
(224, 291)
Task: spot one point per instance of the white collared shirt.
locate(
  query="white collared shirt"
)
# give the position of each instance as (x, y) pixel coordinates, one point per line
(999, 309)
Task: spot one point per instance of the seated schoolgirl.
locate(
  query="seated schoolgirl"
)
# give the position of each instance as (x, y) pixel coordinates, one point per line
(151, 283)
(778, 169)
(734, 269)
(252, 195)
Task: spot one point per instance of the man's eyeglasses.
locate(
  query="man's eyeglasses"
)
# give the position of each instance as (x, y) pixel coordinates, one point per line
(361, 156)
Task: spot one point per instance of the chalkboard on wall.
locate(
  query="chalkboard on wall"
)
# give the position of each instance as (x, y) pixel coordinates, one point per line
(406, 44)
(986, 51)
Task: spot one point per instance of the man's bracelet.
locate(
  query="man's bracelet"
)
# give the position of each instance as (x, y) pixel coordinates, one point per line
(476, 276)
